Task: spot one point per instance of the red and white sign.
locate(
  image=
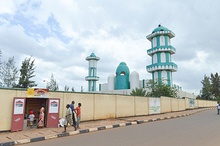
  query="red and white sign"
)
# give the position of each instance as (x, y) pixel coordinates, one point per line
(54, 106)
(18, 114)
(18, 106)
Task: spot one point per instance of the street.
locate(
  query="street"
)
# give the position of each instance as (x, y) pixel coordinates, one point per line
(201, 129)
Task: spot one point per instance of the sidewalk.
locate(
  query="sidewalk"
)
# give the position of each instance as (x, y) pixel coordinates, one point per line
(33, 135)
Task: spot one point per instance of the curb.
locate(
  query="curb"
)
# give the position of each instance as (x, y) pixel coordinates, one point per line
(23, 141)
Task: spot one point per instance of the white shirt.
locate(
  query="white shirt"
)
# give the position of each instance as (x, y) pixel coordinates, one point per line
(31, 117)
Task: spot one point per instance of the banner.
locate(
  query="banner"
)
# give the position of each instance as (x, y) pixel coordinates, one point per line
(154, 105)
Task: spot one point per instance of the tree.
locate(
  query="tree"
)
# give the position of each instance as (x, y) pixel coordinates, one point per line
(73, 89)
(138, 92)
(66, 88)
(162, 89)
(206, 89)
(9, 73)
(26, 73)
(52, 85)
(215, 85)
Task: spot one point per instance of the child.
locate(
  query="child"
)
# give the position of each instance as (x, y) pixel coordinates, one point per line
(31, 118)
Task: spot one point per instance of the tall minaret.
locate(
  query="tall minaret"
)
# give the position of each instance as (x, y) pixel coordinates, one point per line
(161, 51)
(92, 75)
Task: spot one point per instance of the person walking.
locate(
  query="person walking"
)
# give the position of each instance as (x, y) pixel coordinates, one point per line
(218, 107)
(68, 118)
(73, 111)
(78, 115)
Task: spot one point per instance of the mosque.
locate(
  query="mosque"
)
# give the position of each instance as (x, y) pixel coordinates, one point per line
(161, 68)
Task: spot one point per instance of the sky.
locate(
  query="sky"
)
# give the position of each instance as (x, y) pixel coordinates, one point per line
(59, 35)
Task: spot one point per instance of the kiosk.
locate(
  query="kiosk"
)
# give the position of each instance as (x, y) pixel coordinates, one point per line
(36, 98)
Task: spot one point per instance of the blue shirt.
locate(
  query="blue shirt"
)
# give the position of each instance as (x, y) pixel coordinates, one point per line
(72, 107)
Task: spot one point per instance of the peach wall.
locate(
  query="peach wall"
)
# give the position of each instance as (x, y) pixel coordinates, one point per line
(124, 106)
(165, 104)
(141, 105)
(97, 106)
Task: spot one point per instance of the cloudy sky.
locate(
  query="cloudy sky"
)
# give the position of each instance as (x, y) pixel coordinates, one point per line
(60, 34)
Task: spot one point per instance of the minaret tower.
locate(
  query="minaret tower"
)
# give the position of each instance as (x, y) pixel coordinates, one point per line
(92, 75)
(161, 50)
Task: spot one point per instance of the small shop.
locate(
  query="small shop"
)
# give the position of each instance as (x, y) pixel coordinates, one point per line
(37, 99)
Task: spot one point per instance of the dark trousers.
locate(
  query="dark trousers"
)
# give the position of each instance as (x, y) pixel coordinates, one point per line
(74, 120)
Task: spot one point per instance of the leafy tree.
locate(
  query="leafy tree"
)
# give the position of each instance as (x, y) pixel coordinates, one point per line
(9, 73)
(215, 85)
(26, 73)
(162, 89)
(66, 88)
(52, 85)
(206, 89)
(73, 89)
(138, 92)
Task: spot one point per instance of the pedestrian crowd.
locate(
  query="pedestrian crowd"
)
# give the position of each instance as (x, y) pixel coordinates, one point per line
(70, 116)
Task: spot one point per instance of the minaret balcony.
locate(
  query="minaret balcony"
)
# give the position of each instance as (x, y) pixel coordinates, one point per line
(92, 78)
(162, 66)
(167, 32)
(168, 48)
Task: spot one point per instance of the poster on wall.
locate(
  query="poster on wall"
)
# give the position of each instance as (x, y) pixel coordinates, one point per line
(154, 105)
(54, 106)
(18, 106)
(191, 102)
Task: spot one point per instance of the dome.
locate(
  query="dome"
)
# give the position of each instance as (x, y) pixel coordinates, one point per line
(160, 28)
(122, 76)
(134, 73)
(122, 69)
(92, 55)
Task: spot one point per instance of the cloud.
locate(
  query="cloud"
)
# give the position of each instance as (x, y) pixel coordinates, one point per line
(61, 34)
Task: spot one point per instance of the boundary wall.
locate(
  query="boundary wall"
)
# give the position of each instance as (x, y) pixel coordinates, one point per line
(97, 106)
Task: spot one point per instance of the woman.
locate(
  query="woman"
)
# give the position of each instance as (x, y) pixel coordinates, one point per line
(41, 118)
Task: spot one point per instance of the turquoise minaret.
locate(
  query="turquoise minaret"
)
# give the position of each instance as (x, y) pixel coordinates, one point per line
(92, 75)
(161, 50)
(122, 77)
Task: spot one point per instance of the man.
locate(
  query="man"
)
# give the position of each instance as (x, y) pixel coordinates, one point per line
(78, 115)
(73, 112)
(68, 118)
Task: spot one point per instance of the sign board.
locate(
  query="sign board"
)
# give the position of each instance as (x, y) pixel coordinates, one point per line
(154, 105)
(191, 102)
(18, 114)
(37, 92)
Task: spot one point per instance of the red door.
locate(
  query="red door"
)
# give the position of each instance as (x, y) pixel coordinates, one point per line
(53, 112)
(18, 114)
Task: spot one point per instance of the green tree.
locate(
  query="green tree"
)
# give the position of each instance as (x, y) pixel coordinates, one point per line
(215, 85)
(52, 85)
(26, 73)
(138, 92)
(73, 89)
(66, 88)
(9, 73)
(162, 89)
(206, 88)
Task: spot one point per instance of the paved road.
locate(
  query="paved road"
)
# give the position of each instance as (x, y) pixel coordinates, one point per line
(201, 129)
